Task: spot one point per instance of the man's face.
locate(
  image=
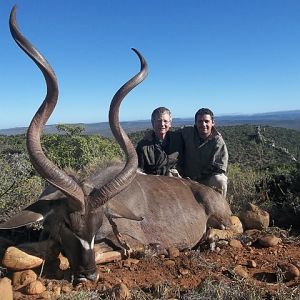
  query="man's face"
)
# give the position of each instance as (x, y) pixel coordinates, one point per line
(204, 124)
(161, 125)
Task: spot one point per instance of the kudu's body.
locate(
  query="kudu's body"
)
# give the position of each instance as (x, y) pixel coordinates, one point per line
(114, 204)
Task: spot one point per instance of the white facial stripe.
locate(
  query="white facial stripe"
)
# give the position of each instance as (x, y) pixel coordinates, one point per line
(86, 245)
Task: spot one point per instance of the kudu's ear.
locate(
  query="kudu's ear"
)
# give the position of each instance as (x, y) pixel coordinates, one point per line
(33, 213)
(116, 209)
(36, 211)
(23, 218)
(52, 193)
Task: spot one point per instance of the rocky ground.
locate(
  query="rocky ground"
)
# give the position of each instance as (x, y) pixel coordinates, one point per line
(256, 265)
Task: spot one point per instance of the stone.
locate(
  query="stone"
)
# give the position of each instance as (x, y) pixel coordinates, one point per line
(17, 295)
(121, 292)
(6, 290)
(289, 271)
(235, 244)
(252, 264)
(63, 262)
(35, 288)
(18, 260)
(56, 291)
(23, 278)
(52, 294)
(268, 240)
(218, 234)
(66, 289)
(236, 225)
(183, 271)
(173, 252)
(105, 257)
(254, 218)
(47, 295)
(169, 263)
(241, 271)
(129, 262)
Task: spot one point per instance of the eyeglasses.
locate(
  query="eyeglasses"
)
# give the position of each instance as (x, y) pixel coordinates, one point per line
(166, 122)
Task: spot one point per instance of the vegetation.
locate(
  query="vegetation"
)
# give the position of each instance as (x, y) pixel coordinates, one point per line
(209, 289)
(256, 162)
(262, 169)
(20, 184)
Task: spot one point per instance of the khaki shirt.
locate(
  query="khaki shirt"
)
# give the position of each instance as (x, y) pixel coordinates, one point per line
(203, 158)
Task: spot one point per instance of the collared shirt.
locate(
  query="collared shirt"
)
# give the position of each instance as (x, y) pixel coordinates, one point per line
(203, 158)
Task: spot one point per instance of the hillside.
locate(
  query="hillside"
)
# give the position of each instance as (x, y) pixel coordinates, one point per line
(280, 146)
(284, 119)
(210, 271)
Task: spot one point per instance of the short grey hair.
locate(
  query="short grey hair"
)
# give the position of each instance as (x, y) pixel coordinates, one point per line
(157, 112)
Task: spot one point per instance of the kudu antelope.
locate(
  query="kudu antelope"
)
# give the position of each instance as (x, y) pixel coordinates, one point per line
(116, 204)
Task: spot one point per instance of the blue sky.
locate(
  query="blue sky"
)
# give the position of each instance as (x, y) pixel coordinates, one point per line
(233, 56)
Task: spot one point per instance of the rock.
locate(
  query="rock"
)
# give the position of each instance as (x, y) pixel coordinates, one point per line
(250, 236)
(173, 252)
(23, 278)
(241, 271)
(66, 289)
(236, 225)
(106, 257)
(218, 234)
(121, 292)
(183, 271)
(289, 271)
(235, 244)
(47, 295)
(254, 218)
(169, 263)
(252, 264)
(17, 295)
(56, 291)
(129, 262)
(17, 260)
(6, 290)
(51, 293)
(35, 288)
(63, 262)
(268, 240)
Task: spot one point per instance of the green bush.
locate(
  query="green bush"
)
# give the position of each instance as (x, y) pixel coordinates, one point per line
(251, 164)
(78, 152)
(19, 186)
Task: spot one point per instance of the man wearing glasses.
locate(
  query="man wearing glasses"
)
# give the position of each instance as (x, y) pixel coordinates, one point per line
(158, 153)
(198, 152)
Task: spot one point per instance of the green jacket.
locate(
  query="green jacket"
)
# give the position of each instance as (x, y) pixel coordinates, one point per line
(156, 157)
(203, 158)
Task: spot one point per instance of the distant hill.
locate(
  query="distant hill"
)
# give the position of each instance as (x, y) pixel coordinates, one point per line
(284, 119)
